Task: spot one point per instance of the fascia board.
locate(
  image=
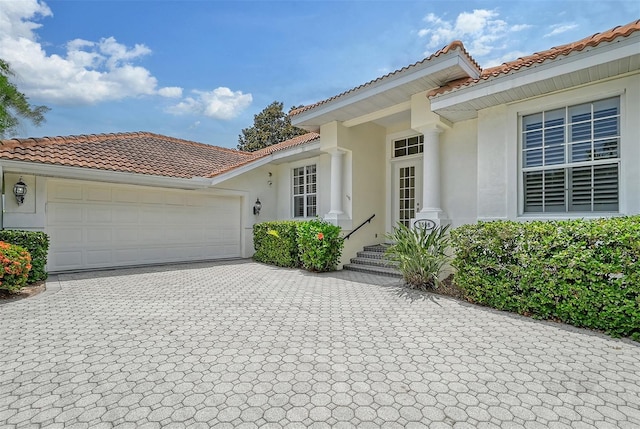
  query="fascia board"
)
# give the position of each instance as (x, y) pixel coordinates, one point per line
(67, 172)
(239, 170)
(560, 66)
(276, 156)
(430, 67)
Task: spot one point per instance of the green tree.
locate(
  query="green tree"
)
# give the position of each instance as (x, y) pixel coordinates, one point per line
(14, 104)
(270, 126)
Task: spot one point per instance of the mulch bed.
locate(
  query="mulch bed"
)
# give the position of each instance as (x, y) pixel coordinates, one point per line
(25, 292)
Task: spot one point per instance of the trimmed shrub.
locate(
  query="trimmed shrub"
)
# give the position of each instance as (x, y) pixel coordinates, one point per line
(37, 244)
(582, 272)
(16, 263)
(276, 243)
(420, 254)
(319, 245)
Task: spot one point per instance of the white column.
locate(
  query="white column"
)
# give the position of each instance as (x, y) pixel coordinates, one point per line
(336, 183)
(431, 184)
(431, 171)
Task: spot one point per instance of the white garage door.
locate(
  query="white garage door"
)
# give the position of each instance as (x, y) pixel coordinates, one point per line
(100, 225)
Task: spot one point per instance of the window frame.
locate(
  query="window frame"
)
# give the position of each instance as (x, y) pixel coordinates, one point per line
(569, 167)
(419, 146)
(305, 195)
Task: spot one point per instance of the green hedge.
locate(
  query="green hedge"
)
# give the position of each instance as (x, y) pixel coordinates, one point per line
(276, 243)
(582, 272)
(37, 244)
(319, 245)
(314, 245)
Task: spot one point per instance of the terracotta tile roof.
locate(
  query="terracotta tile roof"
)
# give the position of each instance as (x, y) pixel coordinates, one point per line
(138, 152)
(541, 57)
(296, 141)
(455, 45)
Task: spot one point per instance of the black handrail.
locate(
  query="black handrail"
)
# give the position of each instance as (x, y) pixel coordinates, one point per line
(346, 237)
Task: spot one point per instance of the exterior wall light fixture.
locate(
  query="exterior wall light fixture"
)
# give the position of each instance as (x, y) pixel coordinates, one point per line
(257, 207)
(20, 190)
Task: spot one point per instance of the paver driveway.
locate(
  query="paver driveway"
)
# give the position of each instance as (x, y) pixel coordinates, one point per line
(239, 344)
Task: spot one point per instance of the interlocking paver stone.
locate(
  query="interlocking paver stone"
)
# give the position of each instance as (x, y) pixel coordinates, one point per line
(241, 344)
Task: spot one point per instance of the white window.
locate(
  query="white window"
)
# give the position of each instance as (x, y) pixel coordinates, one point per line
(304, 191)
(571, 158)
(408, 146)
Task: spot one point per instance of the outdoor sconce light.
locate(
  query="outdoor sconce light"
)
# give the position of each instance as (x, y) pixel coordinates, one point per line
(257, 207)
(20, 190)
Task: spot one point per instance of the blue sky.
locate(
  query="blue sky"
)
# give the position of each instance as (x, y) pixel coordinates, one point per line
(200, 70)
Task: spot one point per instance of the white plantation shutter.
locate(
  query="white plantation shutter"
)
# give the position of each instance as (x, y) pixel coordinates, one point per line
(571, 157)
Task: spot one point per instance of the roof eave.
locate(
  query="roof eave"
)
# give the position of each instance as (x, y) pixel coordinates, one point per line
(461, 98)
(278, 157)
(455, 59)
(99, 175)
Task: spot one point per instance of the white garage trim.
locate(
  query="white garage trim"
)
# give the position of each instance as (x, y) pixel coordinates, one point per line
(99, 225)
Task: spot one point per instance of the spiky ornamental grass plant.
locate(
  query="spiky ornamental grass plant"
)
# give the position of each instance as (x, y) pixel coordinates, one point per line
(419, 253)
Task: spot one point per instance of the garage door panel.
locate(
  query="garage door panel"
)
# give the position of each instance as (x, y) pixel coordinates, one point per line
(125, 196)
(151, 215)
(124, 256)
(125, 235)
(152, 197)
(99, 214)
(65, 191)
(98, 194)
(66, 236)
(65, 259)
(125, 214)
(101, 225)
(98, 258)
(100, 236)
(153, 254)
(65, 213)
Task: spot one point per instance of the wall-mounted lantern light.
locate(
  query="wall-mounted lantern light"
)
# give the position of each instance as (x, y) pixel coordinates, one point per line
(20, 190)
(257, 207)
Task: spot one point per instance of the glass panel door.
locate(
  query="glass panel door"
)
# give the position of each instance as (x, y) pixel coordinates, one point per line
(407, 191)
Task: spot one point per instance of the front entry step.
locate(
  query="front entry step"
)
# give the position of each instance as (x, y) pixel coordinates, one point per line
(372, 260)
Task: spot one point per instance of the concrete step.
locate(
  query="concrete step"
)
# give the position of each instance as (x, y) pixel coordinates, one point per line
(372, 269)
(379, 248)
(370, 255)
(377, 262)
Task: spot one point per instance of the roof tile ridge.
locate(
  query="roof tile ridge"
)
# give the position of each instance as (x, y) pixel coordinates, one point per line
(236, 165)
(190, 142)
(542, 56)
(297, 140)
(455, 45)
(565, 49)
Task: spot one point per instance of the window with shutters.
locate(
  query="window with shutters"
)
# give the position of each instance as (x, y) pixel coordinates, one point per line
(304, 191)
(571, 158)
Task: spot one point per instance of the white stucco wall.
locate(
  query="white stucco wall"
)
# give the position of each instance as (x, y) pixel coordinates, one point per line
(366, 144)
(252, 185)
(499, 183)
(458, 169)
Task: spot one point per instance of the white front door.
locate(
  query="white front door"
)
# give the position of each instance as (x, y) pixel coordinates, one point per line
(406, 190)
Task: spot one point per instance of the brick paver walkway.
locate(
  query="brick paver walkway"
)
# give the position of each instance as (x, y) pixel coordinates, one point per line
(239, 344)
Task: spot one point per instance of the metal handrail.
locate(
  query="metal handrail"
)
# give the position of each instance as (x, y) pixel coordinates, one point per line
(346, 237)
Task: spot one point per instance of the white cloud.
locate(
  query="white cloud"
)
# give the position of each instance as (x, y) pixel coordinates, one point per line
(170, 92)
(481, 31)
(560, 28)
(221, 103)
(88, 73)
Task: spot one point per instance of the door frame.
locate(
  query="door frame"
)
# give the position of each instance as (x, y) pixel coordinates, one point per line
(393, 199)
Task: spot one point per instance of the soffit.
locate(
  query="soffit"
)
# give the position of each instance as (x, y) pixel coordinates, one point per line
(605, 61)
(389, 91)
